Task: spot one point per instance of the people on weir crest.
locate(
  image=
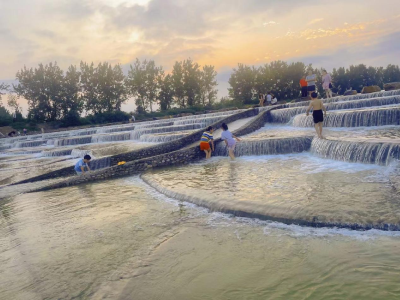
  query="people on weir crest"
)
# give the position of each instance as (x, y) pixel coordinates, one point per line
(205, 141)
(327, 83)
(311, 79)
(230, 140)
(317, 106)
(269, 98)
(261, 98)
(82, 164)
(303, 86)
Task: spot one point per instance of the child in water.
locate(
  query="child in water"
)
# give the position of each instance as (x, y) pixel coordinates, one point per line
(205, 141)
(229, 139)
(82, 164)
(317, 106)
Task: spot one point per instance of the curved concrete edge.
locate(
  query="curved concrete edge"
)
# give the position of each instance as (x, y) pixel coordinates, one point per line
(149, 151)
(174, 158)
(279, 217)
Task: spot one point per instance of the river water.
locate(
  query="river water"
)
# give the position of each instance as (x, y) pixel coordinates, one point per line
(145, 237)
(81, 242)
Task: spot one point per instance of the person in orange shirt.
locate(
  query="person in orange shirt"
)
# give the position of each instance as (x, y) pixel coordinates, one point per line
(303, 85)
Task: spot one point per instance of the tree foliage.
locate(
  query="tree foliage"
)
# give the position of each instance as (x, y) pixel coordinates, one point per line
(282, 79)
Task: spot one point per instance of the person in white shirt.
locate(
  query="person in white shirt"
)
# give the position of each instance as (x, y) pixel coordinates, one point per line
(269, 98)
(230, 140)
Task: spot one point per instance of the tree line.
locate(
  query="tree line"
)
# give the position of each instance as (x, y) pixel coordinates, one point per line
(98, 91)
(53, 94)
(283, 78)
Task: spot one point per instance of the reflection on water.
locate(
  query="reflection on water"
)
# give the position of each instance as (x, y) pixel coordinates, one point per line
(122, 240)
(294, 187)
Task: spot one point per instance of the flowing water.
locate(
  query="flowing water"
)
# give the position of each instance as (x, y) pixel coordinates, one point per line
(253, 234)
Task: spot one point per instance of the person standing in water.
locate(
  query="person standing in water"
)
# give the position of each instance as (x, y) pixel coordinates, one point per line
(261, 98)
(317, 106)
(230, 140)
(205, 141)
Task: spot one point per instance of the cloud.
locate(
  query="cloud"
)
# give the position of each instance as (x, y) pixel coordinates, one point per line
(270, 23)
(315, 21)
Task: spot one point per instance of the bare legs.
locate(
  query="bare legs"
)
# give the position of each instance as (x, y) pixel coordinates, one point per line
(328, 93)
(318, 129)
(208, 153)
(231, 154)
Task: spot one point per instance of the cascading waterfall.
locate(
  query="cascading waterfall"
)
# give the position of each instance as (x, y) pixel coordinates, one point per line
(286, 114)
(348, 98)
(158, 124)
(115, 129)
(352, 151)
(163, 138)
(30, 144)
(81, 153)
(267, 146)
(111, 137)
(73, 141)
(54, 153)
(203, 121)
(136, 134)
(357, 118)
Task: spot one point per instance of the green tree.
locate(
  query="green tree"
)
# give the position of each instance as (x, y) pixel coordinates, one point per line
(242, 82)
(208, 84)
(166, 94)
(391, 74)
(42, 87)
(72, 104)
(177, 80)
(191, 82)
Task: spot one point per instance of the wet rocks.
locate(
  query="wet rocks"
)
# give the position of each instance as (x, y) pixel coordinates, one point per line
(350, 93)
(391, 86)
(370, 89)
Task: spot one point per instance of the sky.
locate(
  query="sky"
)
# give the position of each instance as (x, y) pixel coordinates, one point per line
(222, 33)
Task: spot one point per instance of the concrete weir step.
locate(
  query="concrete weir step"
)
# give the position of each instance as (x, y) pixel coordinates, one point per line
(167, 147)
(182, 156)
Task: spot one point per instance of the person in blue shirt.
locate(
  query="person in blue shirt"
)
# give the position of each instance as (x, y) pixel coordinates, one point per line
(82, 164)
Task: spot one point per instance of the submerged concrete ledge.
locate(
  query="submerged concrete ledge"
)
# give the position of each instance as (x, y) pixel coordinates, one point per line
(278, 214)
(174, 158)
(155, 150)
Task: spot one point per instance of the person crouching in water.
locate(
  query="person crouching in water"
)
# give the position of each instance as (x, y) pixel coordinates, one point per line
(82, 164)
(317, 106)
(207, 139)
(229, 139)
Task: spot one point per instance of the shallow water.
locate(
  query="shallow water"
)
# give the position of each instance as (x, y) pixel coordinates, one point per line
(292, 187)
(81, 243)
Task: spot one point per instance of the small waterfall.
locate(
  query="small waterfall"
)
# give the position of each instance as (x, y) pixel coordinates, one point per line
(115, 129)
(136, 134)
(362, 152)
(356, 118)
(100, 163)
(267, 146)
(203, 121)
(5, 147)
(154, 125)
(111, 137)
(286, 114)
(81, 153)
(163, 138)
(30, 144)
(349, 98)
(53, 153)
(72, 141)
(83, 132)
